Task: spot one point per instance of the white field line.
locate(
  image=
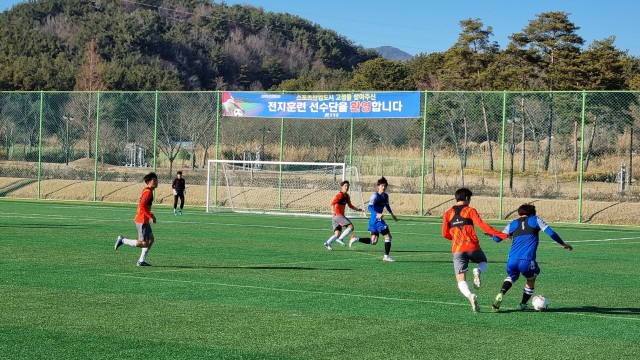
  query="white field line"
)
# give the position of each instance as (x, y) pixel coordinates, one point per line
(292, 263)
(161, 208)
(75, 219)
(608, 243)
(265, 288)
(603, 316)
(214, 223)
(604, 240)
(98, 220)
(329, 293)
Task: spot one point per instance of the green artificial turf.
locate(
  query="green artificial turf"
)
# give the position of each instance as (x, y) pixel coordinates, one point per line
(242, 286)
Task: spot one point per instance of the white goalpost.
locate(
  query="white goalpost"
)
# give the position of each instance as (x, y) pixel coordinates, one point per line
(298, 188)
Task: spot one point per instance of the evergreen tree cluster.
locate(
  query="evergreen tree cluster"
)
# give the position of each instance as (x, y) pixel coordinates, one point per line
(129, 45)
(165, 45)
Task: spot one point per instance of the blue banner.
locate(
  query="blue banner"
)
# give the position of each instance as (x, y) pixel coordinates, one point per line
(348, 105)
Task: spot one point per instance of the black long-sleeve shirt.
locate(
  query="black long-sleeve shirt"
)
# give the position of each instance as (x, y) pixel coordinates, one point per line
(179, 185)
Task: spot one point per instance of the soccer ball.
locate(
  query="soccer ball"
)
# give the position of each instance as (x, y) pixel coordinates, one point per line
(238, 112)
(540, 303)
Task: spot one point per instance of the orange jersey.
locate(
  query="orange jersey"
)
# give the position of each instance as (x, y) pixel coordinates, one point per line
(144, 207)
(340, 203)
(459, 228)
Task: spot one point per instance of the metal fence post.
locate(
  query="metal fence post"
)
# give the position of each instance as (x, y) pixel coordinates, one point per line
(40, 145)
(155, 133)
(95, 167)
(584, 102)
(504, 122)
(424, 152)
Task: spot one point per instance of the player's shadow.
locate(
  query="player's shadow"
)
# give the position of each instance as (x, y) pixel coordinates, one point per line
(43, 226)
(423, 251)
(297, 268)
(401, 260)
(584, 310)
(515, 211)
(597, 310)
(590, 218)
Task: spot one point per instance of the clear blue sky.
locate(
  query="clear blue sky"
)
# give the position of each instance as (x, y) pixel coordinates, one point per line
(426, 26)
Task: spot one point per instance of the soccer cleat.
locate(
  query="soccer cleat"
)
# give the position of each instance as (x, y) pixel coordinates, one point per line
(353, 240)
(522, 306)
(386, 258)
(328, 246)
(476, 278)
(143, 263)
(340, 242)
(119, 242)
(473, 299)
(175, 212)
(497, 302)
(180, 213)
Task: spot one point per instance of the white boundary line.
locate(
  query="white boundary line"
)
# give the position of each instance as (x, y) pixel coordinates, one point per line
(404, 221)
(128, 206)
(289, 290)
(374, 297)
(603, 316)
(123, 275)
(97, 220)
(605, 240)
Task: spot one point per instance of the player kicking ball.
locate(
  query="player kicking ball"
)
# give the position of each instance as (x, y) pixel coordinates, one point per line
(522, 255)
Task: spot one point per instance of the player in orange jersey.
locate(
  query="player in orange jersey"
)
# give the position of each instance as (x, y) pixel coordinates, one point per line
(143, 215)
(338, 205)
(458, 226)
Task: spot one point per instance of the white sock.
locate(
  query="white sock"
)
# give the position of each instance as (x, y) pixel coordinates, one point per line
(332, 239)
(129, 242)
(464, 288)
(483, 267)
(143, 254)
(344, 234)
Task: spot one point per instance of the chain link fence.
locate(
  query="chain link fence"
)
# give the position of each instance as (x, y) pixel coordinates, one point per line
(569, 153)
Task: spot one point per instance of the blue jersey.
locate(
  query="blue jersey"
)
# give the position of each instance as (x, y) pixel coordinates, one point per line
(377, 204)
(525, 231)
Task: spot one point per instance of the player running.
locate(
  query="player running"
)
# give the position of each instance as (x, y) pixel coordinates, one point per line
(458, 226)
(378, 202)
(143, 215)
(338, 206)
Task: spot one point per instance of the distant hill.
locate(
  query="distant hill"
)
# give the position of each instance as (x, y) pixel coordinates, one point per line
(166, 45)
(391, 53)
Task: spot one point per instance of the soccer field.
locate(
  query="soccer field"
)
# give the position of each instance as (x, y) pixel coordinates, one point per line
(239, 286)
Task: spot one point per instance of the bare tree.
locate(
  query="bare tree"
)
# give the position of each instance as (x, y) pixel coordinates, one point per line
(19, 121)
(589, 150)
(83, 107)
(524, 143)
(171, 135)
(199, 113)
(459, 141)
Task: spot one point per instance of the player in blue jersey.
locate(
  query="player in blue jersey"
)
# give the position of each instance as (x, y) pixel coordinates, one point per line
(522, 256)
(377, 226)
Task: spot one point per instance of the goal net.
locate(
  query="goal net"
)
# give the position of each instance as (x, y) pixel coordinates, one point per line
(303, 188)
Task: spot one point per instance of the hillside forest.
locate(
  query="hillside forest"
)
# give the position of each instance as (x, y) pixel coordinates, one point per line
(126, 45)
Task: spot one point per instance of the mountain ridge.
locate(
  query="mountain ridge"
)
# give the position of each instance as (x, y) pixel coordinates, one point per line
(393, 53)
